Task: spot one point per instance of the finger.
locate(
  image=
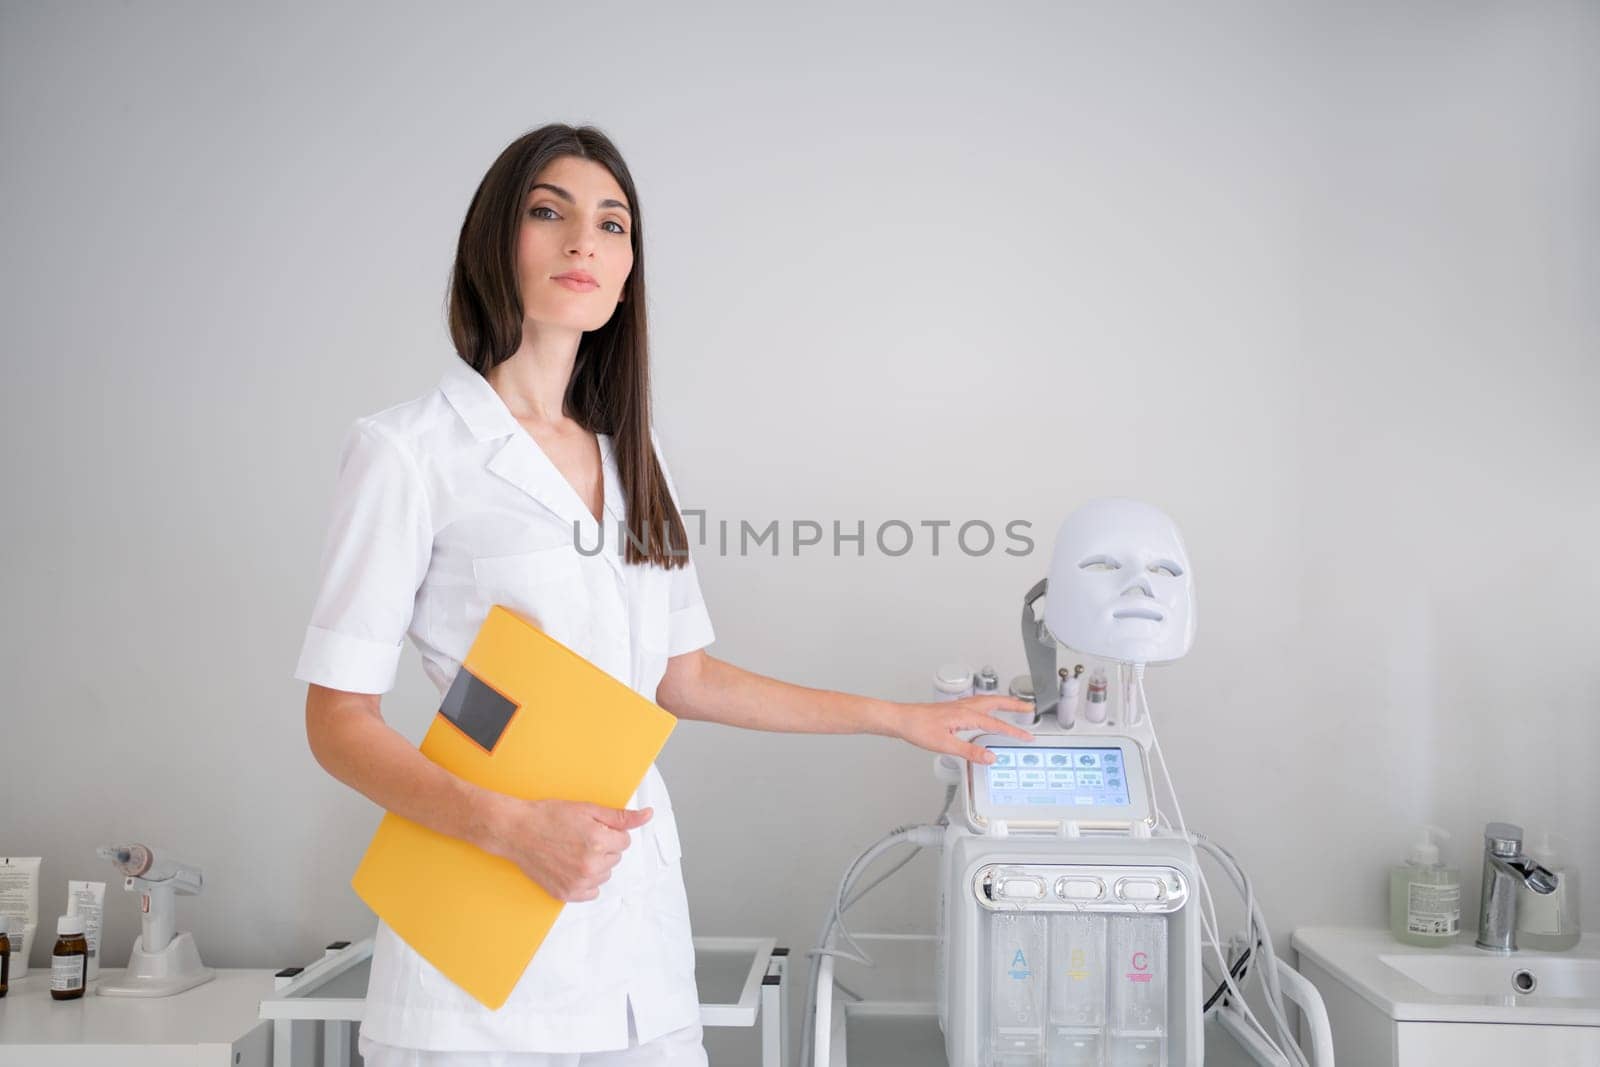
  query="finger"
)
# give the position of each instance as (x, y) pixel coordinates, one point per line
(623, 818)
(978, 722)
(608, 840)
(956, 746)
(974, 753)
(982, 710)
(997, 703)
(1002, 727)
(603, 857)
(596, 869)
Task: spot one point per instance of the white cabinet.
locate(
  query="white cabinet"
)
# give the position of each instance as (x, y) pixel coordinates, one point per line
(1468, 1014)
(1472, 1044)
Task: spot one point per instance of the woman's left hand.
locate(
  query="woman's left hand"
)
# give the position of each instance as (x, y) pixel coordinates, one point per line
(934, 726)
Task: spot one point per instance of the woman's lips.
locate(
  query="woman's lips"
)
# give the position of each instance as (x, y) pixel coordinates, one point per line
(577, 285)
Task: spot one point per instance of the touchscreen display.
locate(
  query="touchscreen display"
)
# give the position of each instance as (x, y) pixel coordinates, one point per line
(1057, 777)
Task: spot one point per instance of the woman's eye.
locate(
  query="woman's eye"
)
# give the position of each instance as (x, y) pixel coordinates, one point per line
(1166, 570)
(535, 213)
(1099, 563)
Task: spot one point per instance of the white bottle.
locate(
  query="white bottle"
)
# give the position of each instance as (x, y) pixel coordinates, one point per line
(1549, 921)
(1070, 693)
(952, 682)
(1094, 702)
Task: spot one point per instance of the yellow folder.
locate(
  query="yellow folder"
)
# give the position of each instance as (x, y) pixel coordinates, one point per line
(525, 716)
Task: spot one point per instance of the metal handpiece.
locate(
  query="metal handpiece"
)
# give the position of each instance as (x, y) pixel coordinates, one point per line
(1505, 867)
(1040, 649)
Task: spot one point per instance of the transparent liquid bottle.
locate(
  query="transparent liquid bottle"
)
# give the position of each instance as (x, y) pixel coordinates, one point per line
(1018, 961)
(1075, 1035)
(1549, 921)
(1425, 896)
(1138, 991)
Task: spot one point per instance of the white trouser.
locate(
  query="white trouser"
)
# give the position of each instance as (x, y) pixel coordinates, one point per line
(681, 1048)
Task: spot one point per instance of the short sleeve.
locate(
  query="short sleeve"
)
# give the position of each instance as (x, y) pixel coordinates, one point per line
(688, 622)
(375, 556)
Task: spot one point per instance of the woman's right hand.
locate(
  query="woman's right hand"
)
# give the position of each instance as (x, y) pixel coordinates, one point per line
(566, 846)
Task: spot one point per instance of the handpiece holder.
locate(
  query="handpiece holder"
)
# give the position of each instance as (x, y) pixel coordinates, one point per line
(163, 962)
(1040, 649)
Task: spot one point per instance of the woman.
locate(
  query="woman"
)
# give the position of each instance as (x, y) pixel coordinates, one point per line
(538, 443)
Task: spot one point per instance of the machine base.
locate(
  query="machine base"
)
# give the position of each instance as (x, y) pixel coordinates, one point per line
(160, 974)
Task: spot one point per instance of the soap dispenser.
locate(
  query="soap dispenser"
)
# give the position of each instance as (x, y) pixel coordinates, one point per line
(1549, 921)
(1425, 895)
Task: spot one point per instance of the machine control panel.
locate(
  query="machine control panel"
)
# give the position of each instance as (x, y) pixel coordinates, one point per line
(1097, 782)
(1071, 887)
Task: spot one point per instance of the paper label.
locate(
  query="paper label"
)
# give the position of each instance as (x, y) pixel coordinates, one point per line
(83, 900)
(67, 972)
(1433, 910)
(16, 888)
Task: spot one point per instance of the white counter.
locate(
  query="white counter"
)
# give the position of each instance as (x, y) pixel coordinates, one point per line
(1354, 955)
(217, 1024)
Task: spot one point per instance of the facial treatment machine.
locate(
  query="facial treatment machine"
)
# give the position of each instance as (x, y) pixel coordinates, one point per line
(1073, 911)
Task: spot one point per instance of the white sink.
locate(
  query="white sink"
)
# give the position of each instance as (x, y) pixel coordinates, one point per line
(1392, 1004)
(1459, 982)
(1522, 977)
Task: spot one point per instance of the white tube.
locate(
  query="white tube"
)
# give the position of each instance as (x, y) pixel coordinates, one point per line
(822, 1040)
(1228, 1017)
(88, 899)
(1299, 989)
(21, 946)
(19, 899)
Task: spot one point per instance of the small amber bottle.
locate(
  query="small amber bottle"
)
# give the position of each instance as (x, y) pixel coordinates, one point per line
(69, 960)
(5, 954)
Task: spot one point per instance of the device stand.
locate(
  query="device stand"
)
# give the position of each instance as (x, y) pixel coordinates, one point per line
(160, 974)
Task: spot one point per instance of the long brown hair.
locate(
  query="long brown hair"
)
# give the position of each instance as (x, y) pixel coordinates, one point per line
(610, 388)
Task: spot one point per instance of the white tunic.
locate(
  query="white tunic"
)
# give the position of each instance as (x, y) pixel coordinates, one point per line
(444, 506)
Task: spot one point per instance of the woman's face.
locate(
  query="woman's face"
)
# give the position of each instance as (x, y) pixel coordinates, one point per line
(576, 220)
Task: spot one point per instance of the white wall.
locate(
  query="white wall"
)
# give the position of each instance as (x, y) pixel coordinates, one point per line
(1320, 280)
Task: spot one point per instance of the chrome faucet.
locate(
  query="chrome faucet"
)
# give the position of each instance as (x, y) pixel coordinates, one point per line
(1504, 869)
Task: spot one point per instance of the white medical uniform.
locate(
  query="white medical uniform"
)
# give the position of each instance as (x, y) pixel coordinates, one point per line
(444, 506)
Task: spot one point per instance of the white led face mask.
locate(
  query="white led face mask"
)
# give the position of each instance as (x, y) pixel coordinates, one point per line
(1120, 586)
